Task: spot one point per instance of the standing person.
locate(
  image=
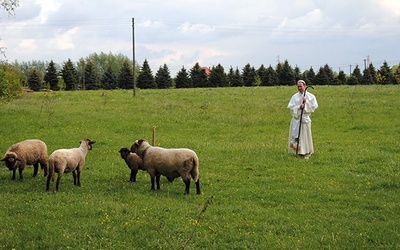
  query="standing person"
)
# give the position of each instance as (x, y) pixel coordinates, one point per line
(301, 105)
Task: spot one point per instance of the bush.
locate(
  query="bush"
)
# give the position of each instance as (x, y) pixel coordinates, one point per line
(10, 84)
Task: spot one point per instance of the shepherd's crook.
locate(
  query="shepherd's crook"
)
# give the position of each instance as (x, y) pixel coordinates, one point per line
(301, 118)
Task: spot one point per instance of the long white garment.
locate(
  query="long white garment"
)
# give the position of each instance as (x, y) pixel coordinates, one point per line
(305, 142)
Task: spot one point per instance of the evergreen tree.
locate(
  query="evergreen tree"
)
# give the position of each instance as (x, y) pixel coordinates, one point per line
(310, 76)
(321, 78)
(90, 76)
(385, 75)
(51, 76)
(145, 79)
(367, 78)
(34, 81)
(396, 74)
(109, 79)
(235, 79)
(249, 75)
(125, 77)
(69, 76)
(163, 78)
(262, 73)
(342, 78)
(286, 74)
(329, 73)
(357, 73)
(272, 76)
(218, 78)
(297, 74)
(353, 80)
(182, 79)
(198, 76)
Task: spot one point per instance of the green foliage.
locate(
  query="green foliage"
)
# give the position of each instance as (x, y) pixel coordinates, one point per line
(182, 79)
(218, 78)
(163, 78)
(90, 80)
(35, 80)
(286, 74)
(198, 76)
(125, 77)
(254, 194)
(70, 75)
(10, 86)
(145, 79)
(51, 76)
(235, 80)
(109, 79)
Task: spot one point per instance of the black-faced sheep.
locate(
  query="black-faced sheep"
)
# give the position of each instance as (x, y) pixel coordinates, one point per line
(171, 163)
(28, 152)
(68, 160)
(133, 161)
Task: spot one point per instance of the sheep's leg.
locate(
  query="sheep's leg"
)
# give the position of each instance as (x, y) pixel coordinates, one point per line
(158, 181)
(35, 169)
(133, 176)
(44, 167)
(198, 186)
(187, 183)
(74, 174)
(48, 182)
(20, 173)
(13, 177)
(58, 181)
(152, 181)
(79, 178)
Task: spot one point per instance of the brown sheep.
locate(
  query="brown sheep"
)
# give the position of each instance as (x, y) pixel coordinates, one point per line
(171, 163)
(28, 152)
(133, 161)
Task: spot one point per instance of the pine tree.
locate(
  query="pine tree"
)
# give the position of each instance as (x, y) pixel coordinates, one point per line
(342, 78)
(51, 76)
(69, 76)
(125, 77)
(286, 74)
(385, 75)
(182, 79)
(272, 77)
(145, 79)
(109, 79)
(163, 78)
(90, 80)
(198, 76)
(262, 72)
(34, 81)
(321, 78)
(309, 76)
(218, 77)
(249, 75)
(357, 73)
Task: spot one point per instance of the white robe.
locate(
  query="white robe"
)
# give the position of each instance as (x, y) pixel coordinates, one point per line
(305, 142)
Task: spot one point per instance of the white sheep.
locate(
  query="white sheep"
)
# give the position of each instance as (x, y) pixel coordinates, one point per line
(68, 160)
(171, 163)
(28, 152)
(133, 161)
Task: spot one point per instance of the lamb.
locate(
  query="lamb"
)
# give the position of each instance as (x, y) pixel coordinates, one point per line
(68, 160)
(133, 161)
(28, 152)
(171, 163)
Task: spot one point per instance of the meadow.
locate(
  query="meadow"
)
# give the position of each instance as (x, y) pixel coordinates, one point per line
(254, 194)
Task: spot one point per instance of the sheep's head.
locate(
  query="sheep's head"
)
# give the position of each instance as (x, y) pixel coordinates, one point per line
(124, 152)
(11, 160)
(88, 142)
(136, 145)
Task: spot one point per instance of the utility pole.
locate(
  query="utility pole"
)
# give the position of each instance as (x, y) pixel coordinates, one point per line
(365, 64)
(133, 54)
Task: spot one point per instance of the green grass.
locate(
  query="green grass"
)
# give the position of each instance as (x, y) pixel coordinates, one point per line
(254, 194)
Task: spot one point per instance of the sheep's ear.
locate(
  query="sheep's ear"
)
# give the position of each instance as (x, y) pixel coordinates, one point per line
(92, 142)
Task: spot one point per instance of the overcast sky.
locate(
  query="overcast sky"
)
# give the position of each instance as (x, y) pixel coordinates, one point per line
(307, 33)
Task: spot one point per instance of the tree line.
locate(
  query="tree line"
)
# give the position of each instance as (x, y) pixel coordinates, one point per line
(109, 71)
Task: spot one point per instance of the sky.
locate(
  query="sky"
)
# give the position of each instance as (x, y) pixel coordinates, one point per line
(180, 33)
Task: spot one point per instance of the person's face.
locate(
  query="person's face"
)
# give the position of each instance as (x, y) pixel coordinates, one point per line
(301, 87)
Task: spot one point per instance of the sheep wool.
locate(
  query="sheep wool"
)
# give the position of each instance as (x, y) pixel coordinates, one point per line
(28, 152)
(171, 163)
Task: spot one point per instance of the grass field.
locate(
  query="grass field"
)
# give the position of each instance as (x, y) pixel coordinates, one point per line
(254, 194)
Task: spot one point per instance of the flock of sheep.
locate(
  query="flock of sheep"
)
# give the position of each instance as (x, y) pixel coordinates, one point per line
(157, 161)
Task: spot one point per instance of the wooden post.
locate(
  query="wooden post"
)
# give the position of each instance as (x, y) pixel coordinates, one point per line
(154, 136)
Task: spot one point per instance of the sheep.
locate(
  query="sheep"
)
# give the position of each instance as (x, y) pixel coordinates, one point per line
(171, 163)
(28, 152)
(68, 160)
(133, 161)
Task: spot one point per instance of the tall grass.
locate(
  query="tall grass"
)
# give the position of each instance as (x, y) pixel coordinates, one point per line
(254, 194)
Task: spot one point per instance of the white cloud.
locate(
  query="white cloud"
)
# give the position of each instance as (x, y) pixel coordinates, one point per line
(28, 44)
